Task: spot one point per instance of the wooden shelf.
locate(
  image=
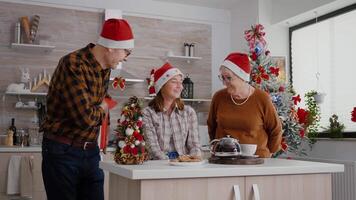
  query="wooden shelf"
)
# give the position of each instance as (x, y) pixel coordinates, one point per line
(187, 100)
(27, 107)
(188, 59)
(130, 80)
(32, 47)
(27, 93)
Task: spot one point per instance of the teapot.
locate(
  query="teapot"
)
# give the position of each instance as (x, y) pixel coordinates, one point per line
(225, 147)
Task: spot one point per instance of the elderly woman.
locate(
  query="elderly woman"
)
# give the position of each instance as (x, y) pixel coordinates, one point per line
(171, 127)
(242, 111)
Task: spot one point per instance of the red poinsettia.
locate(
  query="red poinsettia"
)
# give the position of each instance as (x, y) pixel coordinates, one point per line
(296, 99)
(260, 75)
(353, 115)
(274, 71)
(302, 116)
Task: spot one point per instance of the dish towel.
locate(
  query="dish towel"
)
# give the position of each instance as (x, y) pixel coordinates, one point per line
(26, 176)
(13, 175)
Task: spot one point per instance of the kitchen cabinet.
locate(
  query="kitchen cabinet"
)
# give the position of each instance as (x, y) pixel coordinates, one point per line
(276, 179)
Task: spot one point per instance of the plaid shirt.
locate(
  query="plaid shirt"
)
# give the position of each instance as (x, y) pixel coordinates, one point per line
(181, 126)
(78, 86)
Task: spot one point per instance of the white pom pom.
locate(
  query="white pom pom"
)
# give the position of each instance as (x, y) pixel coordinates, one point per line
(137, 142)
(122, 144)
(143, 143)
(132, 146)
(133, 105)
(129, 131)
(140, 119)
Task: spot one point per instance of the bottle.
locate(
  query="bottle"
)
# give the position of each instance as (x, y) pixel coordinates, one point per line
(17, 33)
(186, 49)
(191, 50)
(13, 129)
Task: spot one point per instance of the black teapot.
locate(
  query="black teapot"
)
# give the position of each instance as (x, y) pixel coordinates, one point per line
(225, 147)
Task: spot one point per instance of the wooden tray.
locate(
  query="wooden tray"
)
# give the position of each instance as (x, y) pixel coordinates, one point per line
(239, 160)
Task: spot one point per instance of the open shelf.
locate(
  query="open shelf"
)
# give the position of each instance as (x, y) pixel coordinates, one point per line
(188, 59)
(188, 100)
(32, 47)
(27, 93)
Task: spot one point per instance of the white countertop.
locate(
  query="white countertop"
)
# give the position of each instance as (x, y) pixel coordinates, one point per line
(18, 149)
(162, 170)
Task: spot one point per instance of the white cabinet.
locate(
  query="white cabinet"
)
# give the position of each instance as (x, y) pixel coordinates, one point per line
(276, 187)
(291, 187)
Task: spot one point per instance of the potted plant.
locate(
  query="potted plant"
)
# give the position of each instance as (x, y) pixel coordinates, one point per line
(335, 127)
(313, 117)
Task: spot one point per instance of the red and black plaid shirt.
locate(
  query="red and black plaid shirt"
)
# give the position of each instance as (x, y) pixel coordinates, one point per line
(78, 86)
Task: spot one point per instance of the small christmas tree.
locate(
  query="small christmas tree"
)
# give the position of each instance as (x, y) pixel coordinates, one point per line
(131, 148)
(264, 75)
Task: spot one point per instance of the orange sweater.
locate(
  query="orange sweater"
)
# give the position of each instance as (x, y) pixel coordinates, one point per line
(254, 122)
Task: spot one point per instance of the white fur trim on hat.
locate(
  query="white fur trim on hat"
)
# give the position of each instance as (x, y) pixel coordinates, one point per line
(236, 69)
(166, 77)
(124, 44)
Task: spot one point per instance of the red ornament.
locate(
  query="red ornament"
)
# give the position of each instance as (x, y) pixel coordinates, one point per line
(127, 149)
(137, 135)
(134, 151)
(281, 89)
(139, 124)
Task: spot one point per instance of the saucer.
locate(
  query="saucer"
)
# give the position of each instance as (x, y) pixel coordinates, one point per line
(249, 156)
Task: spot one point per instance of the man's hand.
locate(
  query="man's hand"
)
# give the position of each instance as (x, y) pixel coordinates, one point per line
(104, 106)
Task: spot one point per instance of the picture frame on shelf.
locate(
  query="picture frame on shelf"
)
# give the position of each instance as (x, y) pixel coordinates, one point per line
(281, 63)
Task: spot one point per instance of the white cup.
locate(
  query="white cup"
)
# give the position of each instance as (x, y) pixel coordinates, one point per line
(248, 149)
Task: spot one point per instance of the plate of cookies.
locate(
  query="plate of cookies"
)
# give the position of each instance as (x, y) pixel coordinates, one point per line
(187, 160)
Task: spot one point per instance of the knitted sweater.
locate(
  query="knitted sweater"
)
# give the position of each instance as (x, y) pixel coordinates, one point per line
(254, 122)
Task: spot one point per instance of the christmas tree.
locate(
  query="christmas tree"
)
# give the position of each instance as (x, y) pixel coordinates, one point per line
(264, 75)
(131, 148)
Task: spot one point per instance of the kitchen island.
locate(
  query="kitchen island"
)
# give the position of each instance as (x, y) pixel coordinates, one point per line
(276, 179)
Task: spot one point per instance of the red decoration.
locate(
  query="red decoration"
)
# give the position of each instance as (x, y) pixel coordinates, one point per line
(353, 115)
(119, 82)
(302, 133)
(296, 99)
(302, 116)
(255, 34)
(274, 70)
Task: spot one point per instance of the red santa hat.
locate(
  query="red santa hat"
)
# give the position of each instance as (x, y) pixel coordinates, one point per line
(116, 34)
(239, 64)
(164, 74)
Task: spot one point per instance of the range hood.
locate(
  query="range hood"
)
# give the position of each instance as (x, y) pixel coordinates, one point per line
(129, 78)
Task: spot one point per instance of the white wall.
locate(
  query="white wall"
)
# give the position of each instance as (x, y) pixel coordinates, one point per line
(219, 19)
